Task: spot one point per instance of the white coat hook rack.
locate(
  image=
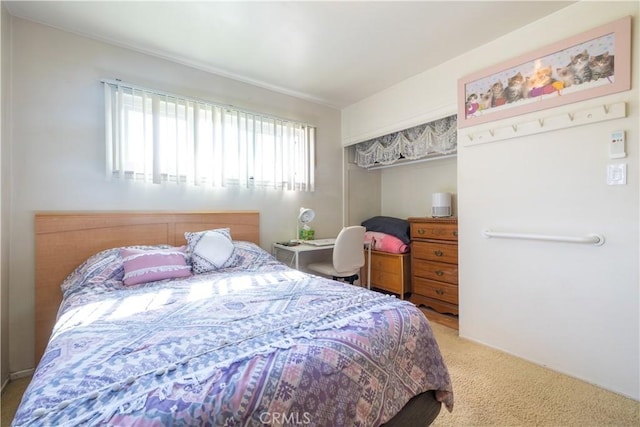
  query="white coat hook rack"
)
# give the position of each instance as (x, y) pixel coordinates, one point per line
(487, 133)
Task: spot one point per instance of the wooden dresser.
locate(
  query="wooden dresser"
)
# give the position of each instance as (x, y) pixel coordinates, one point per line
(434, 268)
(389, 272)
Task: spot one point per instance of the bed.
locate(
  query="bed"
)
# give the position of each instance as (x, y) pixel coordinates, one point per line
(247, 341)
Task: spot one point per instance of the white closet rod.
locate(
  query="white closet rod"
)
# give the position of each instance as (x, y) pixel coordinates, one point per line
(593, 239)
(410, 162)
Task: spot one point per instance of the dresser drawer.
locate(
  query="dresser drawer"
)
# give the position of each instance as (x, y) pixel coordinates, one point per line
(436, 271)
(437, 231)
(389, 272)
(436, 290)
(435, 251)
(382, 262)
(391, 282)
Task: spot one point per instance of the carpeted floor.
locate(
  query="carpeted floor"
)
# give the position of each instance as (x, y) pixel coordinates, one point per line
(11, 396)
(492, 389)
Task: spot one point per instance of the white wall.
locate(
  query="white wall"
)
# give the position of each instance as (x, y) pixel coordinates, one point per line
(407, 190)
(4, 202)
(572, 308)
(363, 194)
(58, 150)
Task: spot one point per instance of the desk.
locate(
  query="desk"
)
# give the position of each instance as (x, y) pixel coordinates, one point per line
(296, 250)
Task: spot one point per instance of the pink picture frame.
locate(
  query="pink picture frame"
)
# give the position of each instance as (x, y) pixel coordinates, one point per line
(588, 65)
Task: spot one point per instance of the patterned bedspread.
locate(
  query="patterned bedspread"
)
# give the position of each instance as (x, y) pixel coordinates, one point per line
(254, 344)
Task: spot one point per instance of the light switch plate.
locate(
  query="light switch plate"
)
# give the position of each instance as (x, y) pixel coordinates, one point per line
(617, 174)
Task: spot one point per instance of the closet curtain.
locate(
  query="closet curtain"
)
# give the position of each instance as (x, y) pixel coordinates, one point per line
(432, 139)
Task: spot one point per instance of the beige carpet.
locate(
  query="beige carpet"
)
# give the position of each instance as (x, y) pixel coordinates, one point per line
(492, 388)
(11, 396)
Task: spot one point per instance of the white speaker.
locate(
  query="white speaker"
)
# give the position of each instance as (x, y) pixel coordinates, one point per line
(440, 204)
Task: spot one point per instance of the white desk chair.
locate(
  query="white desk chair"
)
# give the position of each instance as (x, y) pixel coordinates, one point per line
(348, 256)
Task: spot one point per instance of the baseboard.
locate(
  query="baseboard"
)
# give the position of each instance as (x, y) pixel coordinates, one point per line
(4, 384)
(21, 374)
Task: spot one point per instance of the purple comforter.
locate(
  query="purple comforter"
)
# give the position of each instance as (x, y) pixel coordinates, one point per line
(255, 344)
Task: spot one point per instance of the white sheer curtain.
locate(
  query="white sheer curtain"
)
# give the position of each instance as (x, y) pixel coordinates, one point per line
(431, 139)
(156, 137)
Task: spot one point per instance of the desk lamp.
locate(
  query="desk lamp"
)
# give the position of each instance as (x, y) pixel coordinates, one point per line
(305, 216)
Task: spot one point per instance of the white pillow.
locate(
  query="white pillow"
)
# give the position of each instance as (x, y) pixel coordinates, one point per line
(209, 250)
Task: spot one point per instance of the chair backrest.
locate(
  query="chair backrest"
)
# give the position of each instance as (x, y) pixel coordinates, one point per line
(348, 252)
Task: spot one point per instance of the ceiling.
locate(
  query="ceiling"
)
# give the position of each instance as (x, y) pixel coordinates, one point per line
(330, 52)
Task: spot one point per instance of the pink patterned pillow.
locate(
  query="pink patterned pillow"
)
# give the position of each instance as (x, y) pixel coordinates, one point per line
(142, 266)
(386, 242)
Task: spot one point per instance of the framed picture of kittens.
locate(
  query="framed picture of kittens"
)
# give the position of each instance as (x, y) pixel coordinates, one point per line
(588, 65)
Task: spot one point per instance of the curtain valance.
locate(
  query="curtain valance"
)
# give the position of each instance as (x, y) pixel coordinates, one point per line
(432, 139)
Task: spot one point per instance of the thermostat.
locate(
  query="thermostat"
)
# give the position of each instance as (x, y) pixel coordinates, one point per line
(616, 145)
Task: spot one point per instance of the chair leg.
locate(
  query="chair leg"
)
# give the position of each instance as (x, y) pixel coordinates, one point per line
(349, 279)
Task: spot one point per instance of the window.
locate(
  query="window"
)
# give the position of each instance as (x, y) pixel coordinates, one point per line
(156, 137)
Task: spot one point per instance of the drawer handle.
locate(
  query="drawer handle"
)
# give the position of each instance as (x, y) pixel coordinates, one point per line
(455, 233)
(420, 231)
(439, 292)
(438, 253)
(439, 272)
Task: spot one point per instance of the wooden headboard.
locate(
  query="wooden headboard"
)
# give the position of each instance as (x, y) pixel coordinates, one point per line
(65, 239)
